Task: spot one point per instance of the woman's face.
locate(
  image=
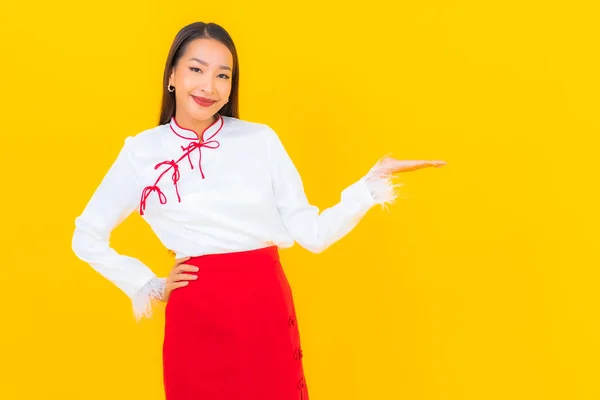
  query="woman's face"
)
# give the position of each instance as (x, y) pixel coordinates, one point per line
(202, 79)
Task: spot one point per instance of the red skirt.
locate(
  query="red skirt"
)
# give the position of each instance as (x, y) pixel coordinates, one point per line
(232, 333)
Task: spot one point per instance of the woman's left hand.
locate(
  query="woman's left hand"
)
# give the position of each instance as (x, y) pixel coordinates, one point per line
(391, 165)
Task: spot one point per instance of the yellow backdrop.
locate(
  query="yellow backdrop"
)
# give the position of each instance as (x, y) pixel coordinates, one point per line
(479, 283)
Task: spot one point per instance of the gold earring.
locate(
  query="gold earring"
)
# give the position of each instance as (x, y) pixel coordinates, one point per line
(171, 88)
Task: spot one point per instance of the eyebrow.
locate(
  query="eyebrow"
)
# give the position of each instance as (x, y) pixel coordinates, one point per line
(206, 64)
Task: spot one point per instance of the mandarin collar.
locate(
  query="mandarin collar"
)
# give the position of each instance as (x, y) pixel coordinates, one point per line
(190, 134)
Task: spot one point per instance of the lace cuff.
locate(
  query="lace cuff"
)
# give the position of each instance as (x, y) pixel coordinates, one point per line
(381, 185)
(142, 301)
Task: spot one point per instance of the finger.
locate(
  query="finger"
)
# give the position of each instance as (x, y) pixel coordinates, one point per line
(421, 164)
(180, 284)
(431, 163)
(186, 268)
(181, 260)
(185, 277)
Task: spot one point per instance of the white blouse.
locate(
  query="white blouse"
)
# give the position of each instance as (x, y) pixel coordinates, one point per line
(236, 189)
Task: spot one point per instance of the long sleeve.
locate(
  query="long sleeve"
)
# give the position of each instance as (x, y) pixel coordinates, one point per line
(307, 225)
(114, 200)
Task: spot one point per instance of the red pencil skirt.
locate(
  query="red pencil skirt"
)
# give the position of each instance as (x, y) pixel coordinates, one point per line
(232, 333)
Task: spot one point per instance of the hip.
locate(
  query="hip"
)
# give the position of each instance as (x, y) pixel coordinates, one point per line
(233, 282)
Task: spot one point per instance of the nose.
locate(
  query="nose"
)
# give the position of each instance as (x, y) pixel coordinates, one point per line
(208, 84)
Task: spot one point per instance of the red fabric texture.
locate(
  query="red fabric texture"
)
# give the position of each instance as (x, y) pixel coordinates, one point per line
(232, 334)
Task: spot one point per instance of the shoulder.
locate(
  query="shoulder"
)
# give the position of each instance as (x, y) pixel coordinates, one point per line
(259, 133)
(144, 146)
(246, 126)
(145, 143)
(146, 139)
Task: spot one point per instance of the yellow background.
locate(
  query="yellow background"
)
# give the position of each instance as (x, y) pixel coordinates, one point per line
(479, 283)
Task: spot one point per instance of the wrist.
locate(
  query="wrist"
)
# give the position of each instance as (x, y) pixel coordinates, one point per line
(153, 290)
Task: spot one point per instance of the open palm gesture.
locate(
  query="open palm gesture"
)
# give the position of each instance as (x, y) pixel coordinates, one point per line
(391, 165)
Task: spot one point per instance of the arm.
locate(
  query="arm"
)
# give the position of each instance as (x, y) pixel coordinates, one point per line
(114, 200)
(312, 229)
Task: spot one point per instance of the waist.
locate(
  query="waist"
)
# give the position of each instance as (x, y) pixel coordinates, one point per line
(265, 254)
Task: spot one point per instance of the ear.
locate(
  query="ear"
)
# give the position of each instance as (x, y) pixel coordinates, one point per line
(172, 77)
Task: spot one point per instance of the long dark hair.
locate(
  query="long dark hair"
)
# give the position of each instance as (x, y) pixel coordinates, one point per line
(187, 34)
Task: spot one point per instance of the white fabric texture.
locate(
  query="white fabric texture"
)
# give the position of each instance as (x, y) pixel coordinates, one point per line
(236, 189)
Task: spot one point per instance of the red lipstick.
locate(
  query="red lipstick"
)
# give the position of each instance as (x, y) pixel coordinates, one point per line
(203, 101)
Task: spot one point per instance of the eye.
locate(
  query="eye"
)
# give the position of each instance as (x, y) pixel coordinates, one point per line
(224, 76)
(195, 69)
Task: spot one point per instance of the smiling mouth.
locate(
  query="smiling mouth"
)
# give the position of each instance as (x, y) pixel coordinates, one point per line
(203, 101)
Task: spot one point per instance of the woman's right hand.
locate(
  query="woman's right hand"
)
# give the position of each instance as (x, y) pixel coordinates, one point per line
(178, 277)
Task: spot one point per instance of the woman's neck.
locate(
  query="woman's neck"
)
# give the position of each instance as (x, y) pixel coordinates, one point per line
(197, 126)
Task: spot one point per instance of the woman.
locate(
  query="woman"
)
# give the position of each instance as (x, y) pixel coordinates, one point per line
(223, 195)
